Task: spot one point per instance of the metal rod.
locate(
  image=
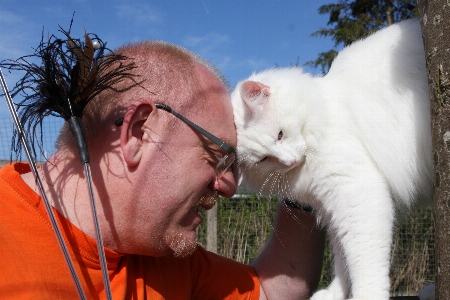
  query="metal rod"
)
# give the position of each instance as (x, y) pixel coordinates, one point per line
(48, 207)
(101, 249)
(76, 127)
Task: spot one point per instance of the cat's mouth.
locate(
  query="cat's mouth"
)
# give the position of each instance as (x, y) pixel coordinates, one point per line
(285, 170)
(280, 166)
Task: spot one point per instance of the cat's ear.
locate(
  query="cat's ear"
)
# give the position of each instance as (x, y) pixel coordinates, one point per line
(255, 95)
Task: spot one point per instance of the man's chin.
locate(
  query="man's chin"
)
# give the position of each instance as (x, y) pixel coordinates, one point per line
(181, 244)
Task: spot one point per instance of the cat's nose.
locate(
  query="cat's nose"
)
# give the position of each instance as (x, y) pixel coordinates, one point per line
(289, 162)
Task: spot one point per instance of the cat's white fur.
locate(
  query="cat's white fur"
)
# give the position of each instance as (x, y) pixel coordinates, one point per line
(355, 144)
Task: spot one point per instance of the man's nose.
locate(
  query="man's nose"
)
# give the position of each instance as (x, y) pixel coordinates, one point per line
(226, 185)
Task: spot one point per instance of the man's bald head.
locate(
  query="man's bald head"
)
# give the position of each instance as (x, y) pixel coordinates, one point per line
(163, 70)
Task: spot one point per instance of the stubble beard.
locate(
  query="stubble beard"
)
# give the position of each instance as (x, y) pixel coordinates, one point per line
(180, 244)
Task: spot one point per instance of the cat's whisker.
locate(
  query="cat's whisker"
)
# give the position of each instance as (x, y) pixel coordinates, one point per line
(265, 183)
(286, 193)
(274, 189)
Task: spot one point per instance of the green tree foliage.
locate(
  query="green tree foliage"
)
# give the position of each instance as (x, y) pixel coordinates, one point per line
(352, 20)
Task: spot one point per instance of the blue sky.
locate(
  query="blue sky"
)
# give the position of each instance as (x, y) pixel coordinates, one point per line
(238, 36)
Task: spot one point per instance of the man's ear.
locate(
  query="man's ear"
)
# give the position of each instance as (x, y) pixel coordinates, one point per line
(132, 130)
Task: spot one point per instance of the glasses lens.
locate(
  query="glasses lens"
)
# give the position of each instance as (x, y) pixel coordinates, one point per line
(225, 163)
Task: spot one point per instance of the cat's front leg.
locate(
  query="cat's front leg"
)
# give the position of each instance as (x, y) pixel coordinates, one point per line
(362, 223)
(359, 212)
(339, 287)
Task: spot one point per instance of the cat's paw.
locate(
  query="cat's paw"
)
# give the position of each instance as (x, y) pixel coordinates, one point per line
(328, 294)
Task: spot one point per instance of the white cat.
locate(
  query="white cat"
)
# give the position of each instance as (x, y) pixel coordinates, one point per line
(354, 144)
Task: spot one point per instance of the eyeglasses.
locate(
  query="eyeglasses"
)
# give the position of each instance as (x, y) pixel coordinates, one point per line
(225, 162)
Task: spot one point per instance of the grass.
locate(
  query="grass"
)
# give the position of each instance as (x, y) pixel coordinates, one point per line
(245, 223)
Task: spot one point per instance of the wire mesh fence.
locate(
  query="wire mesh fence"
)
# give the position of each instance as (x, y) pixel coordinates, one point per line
(44, 147)
(245, 222)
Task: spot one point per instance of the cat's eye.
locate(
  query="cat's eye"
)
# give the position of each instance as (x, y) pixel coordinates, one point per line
(280, 135)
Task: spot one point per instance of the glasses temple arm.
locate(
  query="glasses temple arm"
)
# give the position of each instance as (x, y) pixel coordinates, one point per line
(209, 135)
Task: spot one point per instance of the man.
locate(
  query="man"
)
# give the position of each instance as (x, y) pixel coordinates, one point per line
(151, 172)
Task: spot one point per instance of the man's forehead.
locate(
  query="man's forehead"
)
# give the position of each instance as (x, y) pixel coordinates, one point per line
(216, 106)
(209, 77)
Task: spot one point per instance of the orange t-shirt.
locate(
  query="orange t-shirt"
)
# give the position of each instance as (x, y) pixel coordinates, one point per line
(32, 265)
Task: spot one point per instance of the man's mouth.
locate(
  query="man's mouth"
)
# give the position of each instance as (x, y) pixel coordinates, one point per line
(199, 209)
(206, 202)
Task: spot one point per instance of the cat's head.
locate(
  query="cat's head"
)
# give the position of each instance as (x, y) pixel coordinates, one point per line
(269, 138)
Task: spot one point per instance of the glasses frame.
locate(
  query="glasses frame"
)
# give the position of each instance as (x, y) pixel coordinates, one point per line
(222, 166)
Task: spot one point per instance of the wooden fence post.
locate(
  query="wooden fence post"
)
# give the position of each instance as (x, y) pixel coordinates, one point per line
(211, 229)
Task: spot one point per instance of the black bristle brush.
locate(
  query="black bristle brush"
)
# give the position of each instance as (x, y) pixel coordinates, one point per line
(70, 75)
